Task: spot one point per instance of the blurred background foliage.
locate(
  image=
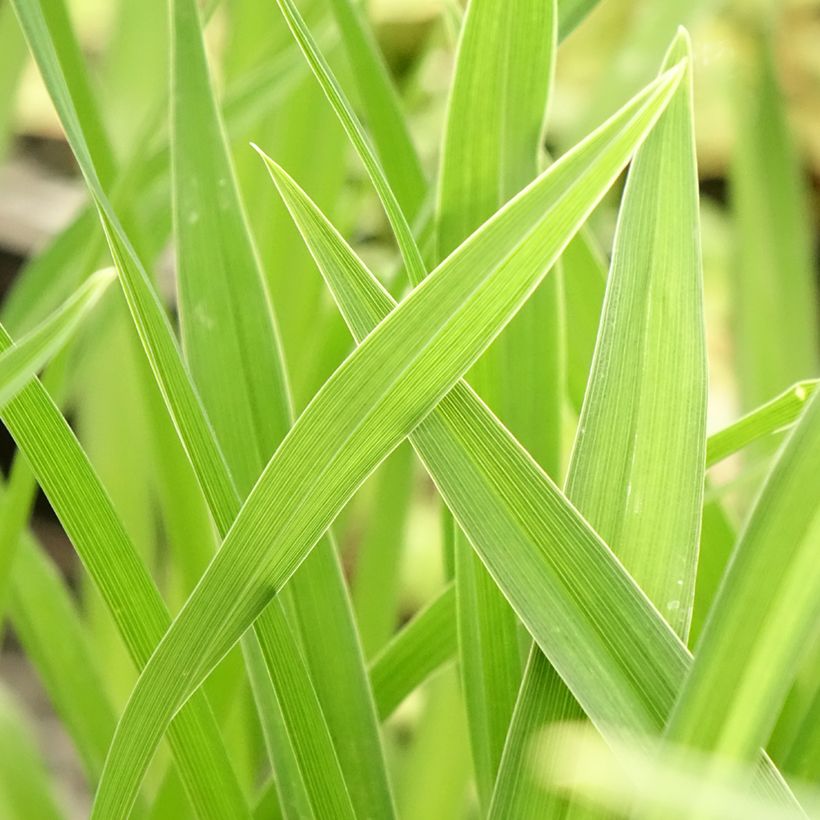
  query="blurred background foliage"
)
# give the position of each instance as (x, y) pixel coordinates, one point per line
(757, 93)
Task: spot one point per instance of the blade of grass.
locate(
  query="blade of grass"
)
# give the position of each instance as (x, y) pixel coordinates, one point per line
(56, 641)
(774, 286)
(775, 416)
(644, 412)
(717, 539)
(436, 773)
(305, 130)
(583, 279)
(24, 785)
(463, 446)
(375, 399)
(112, 427)
(353, 128)
(68, 480)
(226, 318)
(571, 13)
(645, 408)
(20, 363)
(425, 644)
(764, 614)
(12, 62)
(62, 469)
(495, 119)
(378, 555)
(385, 119)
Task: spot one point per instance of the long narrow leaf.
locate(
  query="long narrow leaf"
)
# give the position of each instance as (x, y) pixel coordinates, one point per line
(421, 647)
(356, 133)
(386, 122)
(19, 363)
(495, 120)
(773, 417)
(765, 612)
(225, 315)
(637, 465)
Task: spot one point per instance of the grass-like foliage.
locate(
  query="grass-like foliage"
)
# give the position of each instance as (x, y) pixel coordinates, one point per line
(394, 498)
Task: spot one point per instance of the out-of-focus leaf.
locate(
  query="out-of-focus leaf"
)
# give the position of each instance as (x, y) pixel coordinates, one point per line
(775, 295)
(421, 647)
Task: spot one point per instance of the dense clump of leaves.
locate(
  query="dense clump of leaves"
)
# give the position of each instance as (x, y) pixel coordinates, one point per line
(290, 382)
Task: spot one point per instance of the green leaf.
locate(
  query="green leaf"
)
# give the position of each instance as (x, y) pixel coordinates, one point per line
(56, 641)
(63, 469)
(775, 416)
(717, 538)
(765, 612)
(492, 139)
(76, 495)
(385, 119)
(12, 62)
(372, 402)
(414, 653)
(644, 414)
(24, 785)
(583, 278)
(378, 555)
(571, 13)
(774, 293)
(637, 466)
(21, 362)
(357, 135)
(232, 346)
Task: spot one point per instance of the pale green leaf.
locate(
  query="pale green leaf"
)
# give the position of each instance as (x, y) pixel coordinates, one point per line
(637, 465)
(357, 135)
(765, 611)
(56, 641)
(775, 416)
(24, 785)
(414, 653)
(492, 139)
(385, 119)
(63, 469)
(22, 361)
(378, 555)
(774, 293)
(225, 318)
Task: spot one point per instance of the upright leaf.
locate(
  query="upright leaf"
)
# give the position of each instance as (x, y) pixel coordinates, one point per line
(381, 103)
(765, 612)
(495, 120)
(62, 468)
(55, 639)
(637, 466)
(231, 342)
(398, 219)
(775, 293)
